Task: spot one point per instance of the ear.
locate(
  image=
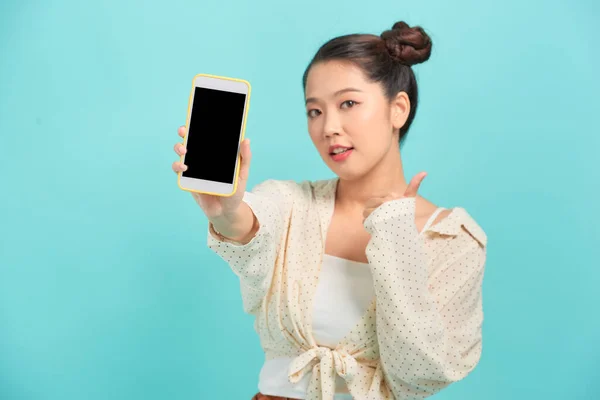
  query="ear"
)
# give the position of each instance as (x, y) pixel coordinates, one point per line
(400, 108)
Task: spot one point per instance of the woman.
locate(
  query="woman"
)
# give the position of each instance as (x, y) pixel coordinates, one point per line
(361, 288)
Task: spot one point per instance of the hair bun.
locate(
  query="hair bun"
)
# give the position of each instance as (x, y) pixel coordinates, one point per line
(407, 45)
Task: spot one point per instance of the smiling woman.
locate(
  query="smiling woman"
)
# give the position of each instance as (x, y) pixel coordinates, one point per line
(361, 288)
(364, 86)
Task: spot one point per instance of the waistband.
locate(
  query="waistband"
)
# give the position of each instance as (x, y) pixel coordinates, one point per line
(260, 396)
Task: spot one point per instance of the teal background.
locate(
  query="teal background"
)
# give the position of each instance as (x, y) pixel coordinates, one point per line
(107, 288)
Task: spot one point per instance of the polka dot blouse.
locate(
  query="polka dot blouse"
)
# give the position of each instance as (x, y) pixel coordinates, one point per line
(422, 331)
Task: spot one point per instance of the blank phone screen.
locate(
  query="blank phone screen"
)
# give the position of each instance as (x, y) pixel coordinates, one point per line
(213, 135)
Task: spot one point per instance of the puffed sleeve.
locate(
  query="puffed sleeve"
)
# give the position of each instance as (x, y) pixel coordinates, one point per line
(429, 332)
(253, 262)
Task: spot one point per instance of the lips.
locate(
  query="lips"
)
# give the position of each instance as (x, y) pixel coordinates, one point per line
(338, 146)
(339, 157)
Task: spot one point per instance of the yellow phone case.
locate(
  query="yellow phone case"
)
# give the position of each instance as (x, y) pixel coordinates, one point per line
(187, 124)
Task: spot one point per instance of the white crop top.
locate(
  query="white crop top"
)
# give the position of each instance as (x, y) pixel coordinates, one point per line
(344, 293)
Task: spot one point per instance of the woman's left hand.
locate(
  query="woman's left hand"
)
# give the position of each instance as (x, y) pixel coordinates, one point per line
(411, 191)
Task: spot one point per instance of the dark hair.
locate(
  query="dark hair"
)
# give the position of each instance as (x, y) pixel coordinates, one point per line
(386, 59)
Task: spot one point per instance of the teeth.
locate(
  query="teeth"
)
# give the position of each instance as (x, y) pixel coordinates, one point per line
(339, 150)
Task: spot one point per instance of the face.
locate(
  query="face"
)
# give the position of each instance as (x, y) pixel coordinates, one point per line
(344, 109)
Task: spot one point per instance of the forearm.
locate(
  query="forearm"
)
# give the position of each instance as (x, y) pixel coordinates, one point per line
(240, 226)
(249, 241)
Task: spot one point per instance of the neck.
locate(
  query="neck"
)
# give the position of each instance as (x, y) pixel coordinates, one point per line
(385, 178)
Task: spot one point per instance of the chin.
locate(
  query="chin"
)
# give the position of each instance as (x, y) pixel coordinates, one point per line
(349, 170)
(346, 173)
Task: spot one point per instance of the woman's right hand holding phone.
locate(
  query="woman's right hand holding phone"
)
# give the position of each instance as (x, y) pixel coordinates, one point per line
(230, 216)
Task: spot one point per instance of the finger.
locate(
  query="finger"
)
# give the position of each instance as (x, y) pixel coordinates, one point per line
(178, 166)
(368, 211)
(181, 131)
(180, 149)
(373, 202)
(415, 183)
(246, 157)
(377, 201)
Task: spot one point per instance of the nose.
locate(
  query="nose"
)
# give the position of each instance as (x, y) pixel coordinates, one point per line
(331, 126)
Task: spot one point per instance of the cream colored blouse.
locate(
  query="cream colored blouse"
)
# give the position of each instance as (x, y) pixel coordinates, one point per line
(422, 330)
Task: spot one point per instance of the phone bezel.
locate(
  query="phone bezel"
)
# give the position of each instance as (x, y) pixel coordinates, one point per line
(225, 84)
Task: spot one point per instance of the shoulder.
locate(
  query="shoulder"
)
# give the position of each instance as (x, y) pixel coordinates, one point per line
(273, 186)
(470, 227)
(425, 209)
(288, 192)
(452, 222)
(294, 188)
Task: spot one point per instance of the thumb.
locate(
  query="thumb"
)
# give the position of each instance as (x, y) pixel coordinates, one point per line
(415, 183)
(246, 157)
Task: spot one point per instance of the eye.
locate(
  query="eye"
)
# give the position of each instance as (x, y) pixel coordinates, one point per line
(350, 101)
(310, 114)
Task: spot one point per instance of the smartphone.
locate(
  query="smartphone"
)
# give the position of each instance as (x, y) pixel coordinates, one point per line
(216, 121)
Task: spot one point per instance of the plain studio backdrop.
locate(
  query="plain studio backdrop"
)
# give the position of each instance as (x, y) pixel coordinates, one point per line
(107, 288)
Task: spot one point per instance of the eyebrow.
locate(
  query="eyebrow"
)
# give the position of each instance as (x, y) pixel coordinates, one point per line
(314, 99)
